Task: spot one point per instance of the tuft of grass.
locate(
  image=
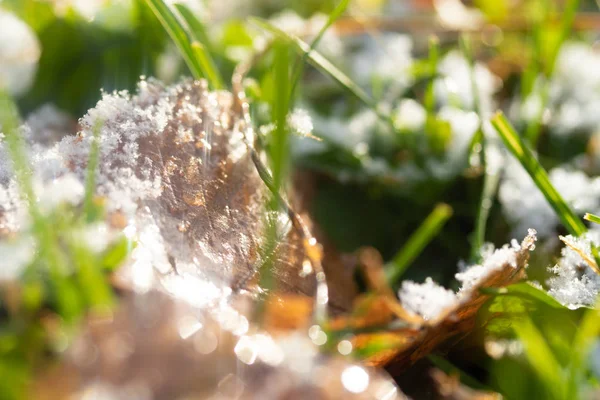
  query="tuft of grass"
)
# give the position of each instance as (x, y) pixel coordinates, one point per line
(188, 41)
(523, 153)
(417, 242)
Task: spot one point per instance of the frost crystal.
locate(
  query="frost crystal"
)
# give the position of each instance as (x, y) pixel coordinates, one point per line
(299, 120)
(427, 299)
(19, 54)
(575, 284)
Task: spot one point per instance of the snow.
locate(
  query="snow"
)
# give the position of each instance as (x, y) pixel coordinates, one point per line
(427, 299)
(410, 115)
(19, 54)
(525, 206)
(455, 86)
(386, 57)
(574, 283)
(430, 300)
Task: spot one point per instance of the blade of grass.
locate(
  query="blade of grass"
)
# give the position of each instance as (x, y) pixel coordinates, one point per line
(540, 357)
(521, 151)
(177, 34)
(323, 64)
(279, 157)
(434, 55)
(201, 47)
(589, 328)
(567, 17)
(333, 16)
(592, 218)
(280, 108)
(491, 178)
(417, 242)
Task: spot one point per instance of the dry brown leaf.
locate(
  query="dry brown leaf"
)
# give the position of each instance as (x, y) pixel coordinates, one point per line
(451, 323)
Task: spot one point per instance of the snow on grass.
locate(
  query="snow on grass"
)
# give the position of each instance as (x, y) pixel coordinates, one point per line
(455, 85)
(525, 206)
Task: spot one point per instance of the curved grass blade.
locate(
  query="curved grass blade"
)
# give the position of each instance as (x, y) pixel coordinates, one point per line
(521, 151)
(177, 34)
(333, 16)
(417, 242)
(323, 64)
(201, 47)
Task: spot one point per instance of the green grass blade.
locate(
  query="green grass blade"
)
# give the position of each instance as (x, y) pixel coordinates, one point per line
(592, 218)
(333, 16)
(491, 179)
(540, 357)
(434, 55)
(279, 158)
(519, 149)
(586, 335)
(321, 63)
(177, 34)
(201, 47)
(279, 145)
(417, 242)
(90, 183)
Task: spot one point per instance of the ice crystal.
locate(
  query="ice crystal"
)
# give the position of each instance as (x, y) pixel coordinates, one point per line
(299, 120)
(575, 284)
